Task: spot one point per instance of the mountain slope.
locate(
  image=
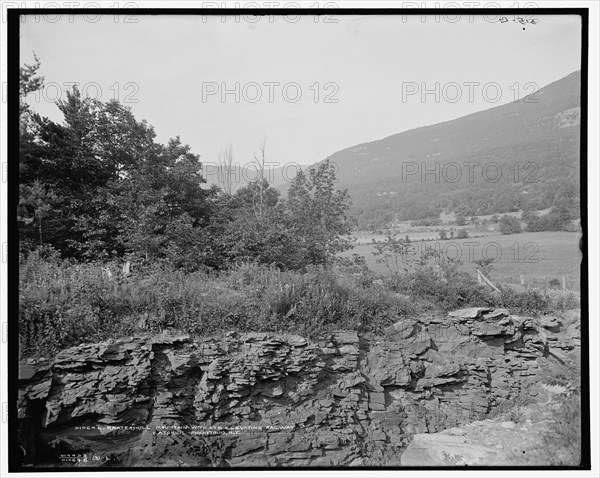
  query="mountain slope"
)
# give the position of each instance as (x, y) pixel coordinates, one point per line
(525, 154)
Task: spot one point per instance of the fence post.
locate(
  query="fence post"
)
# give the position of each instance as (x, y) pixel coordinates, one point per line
(487, 281)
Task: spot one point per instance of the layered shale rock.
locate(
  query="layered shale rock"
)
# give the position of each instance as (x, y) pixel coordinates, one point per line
(269, 400)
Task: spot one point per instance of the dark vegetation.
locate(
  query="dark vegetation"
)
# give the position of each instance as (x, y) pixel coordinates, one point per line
(98, 187)
(509, 225)
(97, 191)
(558, 219)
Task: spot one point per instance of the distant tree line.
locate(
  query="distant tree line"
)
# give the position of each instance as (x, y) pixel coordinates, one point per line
(559, 218)
(423, 208)
(556, 185)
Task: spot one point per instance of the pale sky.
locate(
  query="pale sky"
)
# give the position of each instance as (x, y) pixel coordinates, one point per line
(365, 61)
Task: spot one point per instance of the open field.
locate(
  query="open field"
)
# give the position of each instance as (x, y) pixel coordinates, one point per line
(538, 256)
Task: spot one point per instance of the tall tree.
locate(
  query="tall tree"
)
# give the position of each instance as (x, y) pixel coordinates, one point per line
(317, 212)
(161, 202)
(98, 185)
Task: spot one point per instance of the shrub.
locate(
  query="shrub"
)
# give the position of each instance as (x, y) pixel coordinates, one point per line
(392, 252)
(374, 309)
(62, 304)
(554, 282)
(460, 220)
(509, 225)
(518, 409)
(321, 300)
(448, 287)
(530, 302)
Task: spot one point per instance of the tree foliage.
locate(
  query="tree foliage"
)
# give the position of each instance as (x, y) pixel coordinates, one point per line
(509, 225)
(317, 212)
(97, 186)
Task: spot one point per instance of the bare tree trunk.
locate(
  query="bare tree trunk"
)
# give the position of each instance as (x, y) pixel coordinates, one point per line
(263, 146)
(261, 176)
(226, 161)
(221, 170)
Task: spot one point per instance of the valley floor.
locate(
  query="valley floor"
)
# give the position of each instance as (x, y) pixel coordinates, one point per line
(538, 256)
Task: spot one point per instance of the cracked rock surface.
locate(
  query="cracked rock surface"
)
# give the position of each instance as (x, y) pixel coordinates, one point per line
(260, 399)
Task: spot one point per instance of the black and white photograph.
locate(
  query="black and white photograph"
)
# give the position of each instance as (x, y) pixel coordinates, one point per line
(308, 236)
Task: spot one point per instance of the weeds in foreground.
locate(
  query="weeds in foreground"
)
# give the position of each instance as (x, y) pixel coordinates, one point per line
(62, 304)
(518, 409)
(561, 443)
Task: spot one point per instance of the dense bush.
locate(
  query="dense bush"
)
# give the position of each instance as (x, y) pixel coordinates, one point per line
(448, 287)
(509, 225)
(529, 302)
(558, 219)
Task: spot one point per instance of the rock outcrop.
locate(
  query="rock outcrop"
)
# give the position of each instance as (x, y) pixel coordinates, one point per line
(472, 445)
(260, 399)
(493, 442)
